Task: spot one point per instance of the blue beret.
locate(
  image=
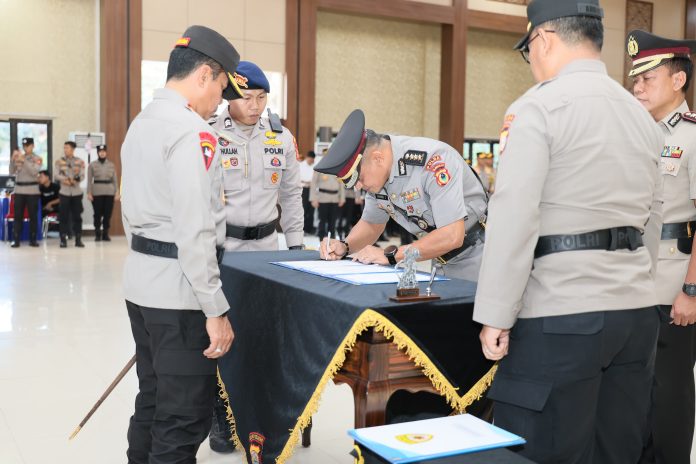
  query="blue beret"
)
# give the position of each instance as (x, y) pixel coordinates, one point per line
(249, 76)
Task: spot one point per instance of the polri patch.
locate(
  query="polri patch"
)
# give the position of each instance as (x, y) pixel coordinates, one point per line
(505, 131)
(208, 144)
(415, 157)
(432, 161)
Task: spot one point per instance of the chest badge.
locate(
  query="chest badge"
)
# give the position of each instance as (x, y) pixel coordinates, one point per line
(411, 195)
(275, 162)
(271, 139)
(671, 151)
(423, 224)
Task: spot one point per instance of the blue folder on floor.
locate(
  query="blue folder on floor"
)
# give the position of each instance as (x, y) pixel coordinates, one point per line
(433, 438)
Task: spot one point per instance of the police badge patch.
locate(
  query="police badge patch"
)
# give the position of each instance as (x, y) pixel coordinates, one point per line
(208, 145)
(256, 447)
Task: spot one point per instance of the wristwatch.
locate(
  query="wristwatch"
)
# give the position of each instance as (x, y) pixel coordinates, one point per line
(689, 289)
(345, 244)
(390, 253)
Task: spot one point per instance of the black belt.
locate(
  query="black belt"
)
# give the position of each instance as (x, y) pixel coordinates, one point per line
(328, 191)
(252, 233)
(616, 238)
(22, 184)
(472, 236)
(678, 230)
(152, 247)
(97, 181)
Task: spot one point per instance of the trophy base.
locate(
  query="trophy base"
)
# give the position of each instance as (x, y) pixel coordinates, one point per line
(413, 298)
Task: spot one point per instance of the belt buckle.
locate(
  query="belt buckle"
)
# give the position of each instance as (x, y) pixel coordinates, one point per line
(632, 239)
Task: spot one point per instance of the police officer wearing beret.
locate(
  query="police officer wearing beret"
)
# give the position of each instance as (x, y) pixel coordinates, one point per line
(566, 292)
(423, 184)
(260, 171)
(70, 171)
(661, 72)
(174, 220)
(25, 167)
(102, 190)
(259, 162)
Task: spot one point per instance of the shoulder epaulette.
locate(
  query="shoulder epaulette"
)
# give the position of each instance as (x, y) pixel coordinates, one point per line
(415, 157)
(689, 116)
(274, 121)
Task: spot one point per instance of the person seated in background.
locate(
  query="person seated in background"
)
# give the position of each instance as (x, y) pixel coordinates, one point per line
(50, 198)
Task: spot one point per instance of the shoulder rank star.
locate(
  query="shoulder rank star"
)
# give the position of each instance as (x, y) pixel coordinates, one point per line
(415, 157)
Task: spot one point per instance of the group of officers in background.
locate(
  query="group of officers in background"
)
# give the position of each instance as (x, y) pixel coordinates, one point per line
(586, 289)
(62, 197)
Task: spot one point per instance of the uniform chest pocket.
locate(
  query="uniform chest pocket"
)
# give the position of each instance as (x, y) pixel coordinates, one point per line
(233, 172)
(670, 160)
(273, 166)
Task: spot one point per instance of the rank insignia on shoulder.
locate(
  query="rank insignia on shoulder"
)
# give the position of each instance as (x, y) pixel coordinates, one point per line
(689, 116)
(674, 120)
(415, 157)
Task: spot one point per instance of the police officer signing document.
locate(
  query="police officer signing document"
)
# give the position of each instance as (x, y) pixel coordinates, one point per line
(662, 71)
(566, 292)
(259, 162)
(423, 184)
(175, 225)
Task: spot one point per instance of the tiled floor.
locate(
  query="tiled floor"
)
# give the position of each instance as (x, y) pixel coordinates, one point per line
(64, 334)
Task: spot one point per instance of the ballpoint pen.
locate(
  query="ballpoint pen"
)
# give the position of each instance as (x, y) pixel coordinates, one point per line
(328, 240)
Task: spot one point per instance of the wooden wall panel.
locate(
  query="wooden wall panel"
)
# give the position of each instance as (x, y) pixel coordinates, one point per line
(121, 53)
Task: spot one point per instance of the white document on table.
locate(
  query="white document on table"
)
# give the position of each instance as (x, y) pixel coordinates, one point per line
(352, 272)
(433, 438)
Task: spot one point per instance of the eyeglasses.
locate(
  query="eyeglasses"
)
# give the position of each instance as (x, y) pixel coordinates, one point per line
(525, 51)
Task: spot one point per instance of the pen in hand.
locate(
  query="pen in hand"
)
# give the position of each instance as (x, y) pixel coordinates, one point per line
(328, 240)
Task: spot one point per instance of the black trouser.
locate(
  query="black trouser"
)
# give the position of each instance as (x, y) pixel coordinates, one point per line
(308, 211)
(577, 387)
(103, 207)
(70, 211)
(173, 408)
(328, 215)
(672, 412)
(22, 202)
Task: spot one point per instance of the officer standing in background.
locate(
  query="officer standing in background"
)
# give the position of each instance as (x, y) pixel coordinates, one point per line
(306, 174)
(260, 168)
(327, 195)
(566, 292)
(174, 220)
(662, 72)
(485, 170)
(102, 190)
(422, 184)
(25, 167)
(70, 171)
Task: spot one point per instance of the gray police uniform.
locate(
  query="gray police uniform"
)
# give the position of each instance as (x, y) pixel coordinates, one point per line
(329, 192)
(26, 194)
(430, 186)
(102, 184)
(578, 172)
(260, 171)
(175, 197)
(70, 168)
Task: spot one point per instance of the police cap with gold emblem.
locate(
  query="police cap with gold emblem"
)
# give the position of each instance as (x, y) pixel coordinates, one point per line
(541, 11)
(101, 148)
(648, 51)
(27, 141)
(215, 46)
(346, 152)
(250, 76)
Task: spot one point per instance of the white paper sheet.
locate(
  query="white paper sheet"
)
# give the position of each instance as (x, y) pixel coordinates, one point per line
(352, 272)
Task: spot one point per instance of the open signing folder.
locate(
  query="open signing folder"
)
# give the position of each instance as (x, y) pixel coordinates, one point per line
(433, 438)
(352, 272)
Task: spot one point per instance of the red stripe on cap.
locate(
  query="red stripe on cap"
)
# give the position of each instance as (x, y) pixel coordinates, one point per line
(662, 51)
(349, 164)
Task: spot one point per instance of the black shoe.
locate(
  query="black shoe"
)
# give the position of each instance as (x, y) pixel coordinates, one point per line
(97, 235)
(63, 241)
(105, 236)
(78, 241)
(221, 432)
(33, 243)
(15, 244)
